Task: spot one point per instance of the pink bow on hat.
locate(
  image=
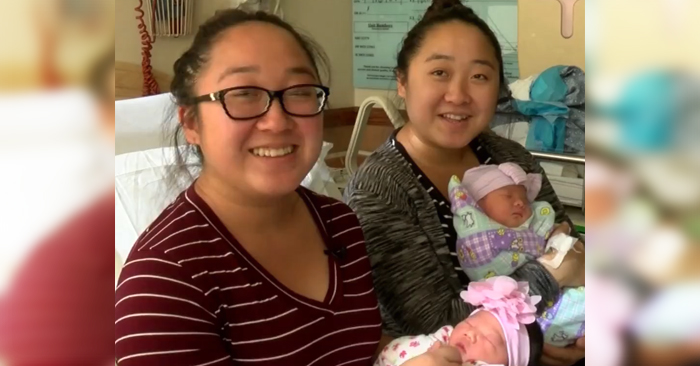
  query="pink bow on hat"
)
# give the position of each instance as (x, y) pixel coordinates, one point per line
(510, 303)
(485, 179)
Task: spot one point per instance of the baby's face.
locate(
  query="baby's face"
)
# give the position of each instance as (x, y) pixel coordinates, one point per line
(480, 337)
(508, 206)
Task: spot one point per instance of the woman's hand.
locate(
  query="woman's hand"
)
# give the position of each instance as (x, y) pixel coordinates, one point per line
(564, 356)
(572, 271)
(438, 355)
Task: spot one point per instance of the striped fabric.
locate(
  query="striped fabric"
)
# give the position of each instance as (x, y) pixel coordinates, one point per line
(414, 275)
(189, 294)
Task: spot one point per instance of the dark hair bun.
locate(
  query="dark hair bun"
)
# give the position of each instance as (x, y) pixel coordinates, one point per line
(440, 6)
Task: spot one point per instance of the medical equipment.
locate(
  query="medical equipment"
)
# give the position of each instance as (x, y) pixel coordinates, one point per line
(160, 18)
(168, 18)
(361, 122)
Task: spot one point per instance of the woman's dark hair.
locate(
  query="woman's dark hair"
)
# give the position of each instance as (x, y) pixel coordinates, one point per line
(189, 65)
(534, 332)
(440, 12)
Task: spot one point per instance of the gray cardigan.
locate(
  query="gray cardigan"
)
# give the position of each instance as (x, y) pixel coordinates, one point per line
(414, 277)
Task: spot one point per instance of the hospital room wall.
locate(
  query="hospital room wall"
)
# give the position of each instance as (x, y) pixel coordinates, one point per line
(332, 31)
(540, 45)
(540, 42)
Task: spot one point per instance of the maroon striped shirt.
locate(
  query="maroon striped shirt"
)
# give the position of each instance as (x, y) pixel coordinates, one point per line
(189, 294)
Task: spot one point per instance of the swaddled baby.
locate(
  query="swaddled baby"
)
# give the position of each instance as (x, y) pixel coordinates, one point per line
(500, 226)
(502, 331)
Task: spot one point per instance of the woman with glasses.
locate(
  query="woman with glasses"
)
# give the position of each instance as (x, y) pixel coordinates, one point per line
(246, 267)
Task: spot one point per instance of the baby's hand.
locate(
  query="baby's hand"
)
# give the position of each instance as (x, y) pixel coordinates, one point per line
(438, 355)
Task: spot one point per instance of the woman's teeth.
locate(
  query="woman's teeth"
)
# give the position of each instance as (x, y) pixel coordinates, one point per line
(455, 117)
(267, 152)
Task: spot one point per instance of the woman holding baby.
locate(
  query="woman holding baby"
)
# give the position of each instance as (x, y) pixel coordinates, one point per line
(450, 75)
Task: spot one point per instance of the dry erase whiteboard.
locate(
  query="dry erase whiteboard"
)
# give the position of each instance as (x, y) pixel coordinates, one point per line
(379, 26)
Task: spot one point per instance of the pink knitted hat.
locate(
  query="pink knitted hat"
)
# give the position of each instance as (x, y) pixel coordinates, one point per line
(485, 179)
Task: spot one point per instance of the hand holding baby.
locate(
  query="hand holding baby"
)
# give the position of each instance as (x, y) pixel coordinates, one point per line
(438, 355)
(572, 271)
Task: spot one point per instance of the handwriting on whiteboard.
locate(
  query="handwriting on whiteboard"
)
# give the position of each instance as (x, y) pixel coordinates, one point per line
(379, 27)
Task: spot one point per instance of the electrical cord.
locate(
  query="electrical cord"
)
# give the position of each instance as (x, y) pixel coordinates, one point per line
(150, 85)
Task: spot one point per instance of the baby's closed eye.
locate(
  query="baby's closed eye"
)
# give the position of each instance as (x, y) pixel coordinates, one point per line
(496, 339)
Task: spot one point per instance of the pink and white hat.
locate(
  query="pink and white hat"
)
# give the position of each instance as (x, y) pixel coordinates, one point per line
(485, 179)
(510, 303)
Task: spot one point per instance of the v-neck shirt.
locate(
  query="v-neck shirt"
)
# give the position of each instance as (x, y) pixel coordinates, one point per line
(189, 293)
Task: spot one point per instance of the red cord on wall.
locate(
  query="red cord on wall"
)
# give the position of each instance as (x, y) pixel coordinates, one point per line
(150, 85)
(50, 74)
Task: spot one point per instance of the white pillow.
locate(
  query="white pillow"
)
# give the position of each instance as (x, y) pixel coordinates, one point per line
(142, 192)
(319, 178)
(139, 122)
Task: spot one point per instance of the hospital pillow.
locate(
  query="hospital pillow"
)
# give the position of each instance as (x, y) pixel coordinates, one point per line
(139, 122)
(142, 191)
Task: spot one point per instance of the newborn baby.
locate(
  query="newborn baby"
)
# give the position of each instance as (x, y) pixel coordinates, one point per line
(502, 331)
(500, 227)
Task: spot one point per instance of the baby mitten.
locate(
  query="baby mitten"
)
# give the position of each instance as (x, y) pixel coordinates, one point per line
(561, 243)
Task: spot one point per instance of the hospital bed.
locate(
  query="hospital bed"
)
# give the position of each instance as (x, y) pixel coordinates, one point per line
(361, 120)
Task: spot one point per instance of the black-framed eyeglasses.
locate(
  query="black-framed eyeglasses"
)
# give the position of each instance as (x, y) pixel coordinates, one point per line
(248, 102)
